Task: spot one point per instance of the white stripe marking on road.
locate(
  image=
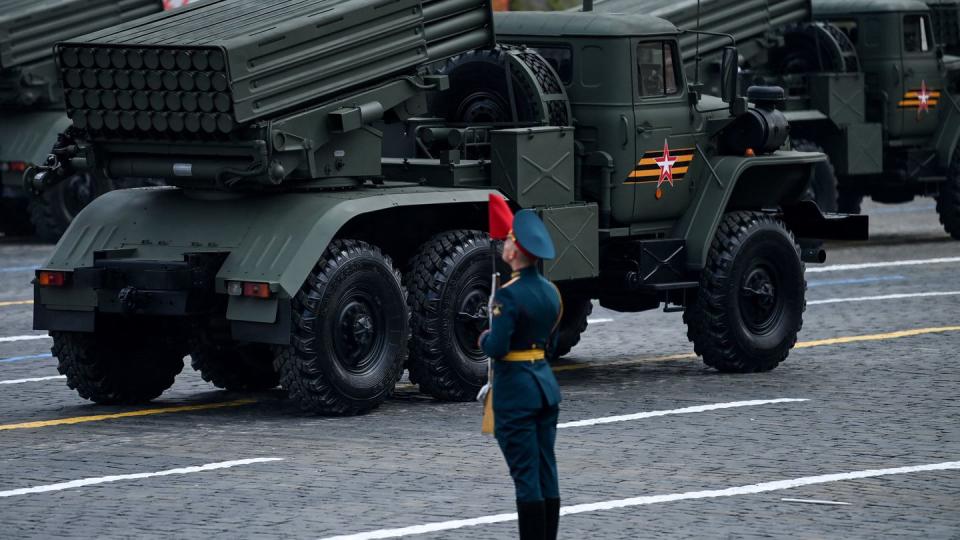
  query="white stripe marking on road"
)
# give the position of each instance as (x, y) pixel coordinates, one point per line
(883, 264)
(34, 379)
(23, 338)
(116, 478)
(685, 410)
(598, 321)
(882, 297)
(653, 499)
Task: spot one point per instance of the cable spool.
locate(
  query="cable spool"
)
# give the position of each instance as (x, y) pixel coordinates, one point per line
(480, 91)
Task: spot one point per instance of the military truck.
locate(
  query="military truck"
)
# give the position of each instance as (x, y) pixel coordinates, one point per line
(330, 164)
(32, 107)
(866, 83)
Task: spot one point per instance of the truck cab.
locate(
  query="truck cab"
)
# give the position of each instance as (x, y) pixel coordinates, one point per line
(900, 60)
(644, 121)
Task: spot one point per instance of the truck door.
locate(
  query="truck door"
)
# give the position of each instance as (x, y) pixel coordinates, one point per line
(665, 132)
(921, 82)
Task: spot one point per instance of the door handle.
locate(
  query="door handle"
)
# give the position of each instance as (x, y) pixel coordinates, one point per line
(626, 130)
(896, 75)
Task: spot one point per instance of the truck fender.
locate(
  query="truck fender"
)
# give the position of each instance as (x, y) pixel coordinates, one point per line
(274, 239)
(734, 182)
(947, 136)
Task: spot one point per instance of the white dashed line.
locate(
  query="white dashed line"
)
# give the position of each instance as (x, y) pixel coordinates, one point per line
(884, 264)
(137, 476)
(23, 338)
(653, 499)
(34, 379)
(881, 297)
(598, 321)
(685, 410)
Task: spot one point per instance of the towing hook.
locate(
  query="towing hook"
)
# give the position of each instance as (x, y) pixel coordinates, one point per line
(128, 299)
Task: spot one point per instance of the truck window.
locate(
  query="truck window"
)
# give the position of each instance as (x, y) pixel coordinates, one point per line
(560, 58)
(655, 69)
(916, 34)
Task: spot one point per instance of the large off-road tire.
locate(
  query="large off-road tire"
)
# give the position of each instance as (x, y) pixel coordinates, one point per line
(449, 284)
(823, 185)
(573, 323)
(749, 307)
(350, 332)
(849, 201)
(948, 201)
(116, 367)
(14, 218)
(52, 212)
(235, 366)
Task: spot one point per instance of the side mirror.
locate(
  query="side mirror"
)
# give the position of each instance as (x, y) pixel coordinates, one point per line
(729, 75)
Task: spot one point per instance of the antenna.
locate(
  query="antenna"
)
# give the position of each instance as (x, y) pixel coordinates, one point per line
(697, 54)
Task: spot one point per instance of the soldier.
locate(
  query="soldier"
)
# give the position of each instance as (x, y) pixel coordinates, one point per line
(526, 396)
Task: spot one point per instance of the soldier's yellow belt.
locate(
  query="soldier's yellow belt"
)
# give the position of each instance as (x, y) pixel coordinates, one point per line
(530, 355)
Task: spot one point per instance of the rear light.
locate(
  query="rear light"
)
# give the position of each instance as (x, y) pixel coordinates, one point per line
(52, 278)
(249, 288)
(256, 290)
(13, 166)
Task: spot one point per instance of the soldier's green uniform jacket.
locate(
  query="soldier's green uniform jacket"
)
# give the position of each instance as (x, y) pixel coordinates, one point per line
(525, 392)
(525, 310)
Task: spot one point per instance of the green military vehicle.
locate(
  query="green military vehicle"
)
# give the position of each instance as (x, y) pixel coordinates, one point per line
(330, 164)
(32, 107)
(866, 83)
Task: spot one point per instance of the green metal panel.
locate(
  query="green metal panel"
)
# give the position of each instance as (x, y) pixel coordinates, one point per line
(858, 149)
(534, 166)
(840, 96)
(275, 239)
(698, 226)
(823, 8)
(574, 232)
(29, 136)
(947, 136)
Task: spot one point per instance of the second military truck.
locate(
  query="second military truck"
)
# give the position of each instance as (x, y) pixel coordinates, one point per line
(330, 164)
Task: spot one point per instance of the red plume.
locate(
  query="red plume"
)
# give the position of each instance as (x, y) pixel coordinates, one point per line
(501, 218)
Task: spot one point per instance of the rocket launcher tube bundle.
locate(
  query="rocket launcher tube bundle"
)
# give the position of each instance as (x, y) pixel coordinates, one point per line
(215, 66)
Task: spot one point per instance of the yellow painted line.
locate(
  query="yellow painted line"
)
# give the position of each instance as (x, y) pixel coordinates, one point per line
(113, 416)
(877, 337)
(801, 345)
(16, 303)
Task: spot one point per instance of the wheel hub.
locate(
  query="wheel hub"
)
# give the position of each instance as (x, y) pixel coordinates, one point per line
(471, 319)
(760, 303)
(481, 107)
(356, 335)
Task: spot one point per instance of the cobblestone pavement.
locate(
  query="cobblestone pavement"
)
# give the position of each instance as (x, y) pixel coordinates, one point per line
(884, 402)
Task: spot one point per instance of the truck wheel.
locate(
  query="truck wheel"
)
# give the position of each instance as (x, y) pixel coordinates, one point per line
(573, 323)
(236, 367)
(52, 212)
(116, 368)
(750, 305)
(449, 284)
(948, 202)
(350, 332)
(14, 218)
(849, 201)
(823, 185)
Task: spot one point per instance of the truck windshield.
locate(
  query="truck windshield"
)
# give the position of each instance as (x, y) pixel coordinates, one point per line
(916, 34)
(655, 72)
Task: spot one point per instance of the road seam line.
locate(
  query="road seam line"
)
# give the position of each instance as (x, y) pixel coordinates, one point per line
(135, 476)
(752, 489)
(33, 379)
(112, 416)
(26, 337)
(684, 410)
(16, 303)
(27, 357)
(881, 297)
(883, 264)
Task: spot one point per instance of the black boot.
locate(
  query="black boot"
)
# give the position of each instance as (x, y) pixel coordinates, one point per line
(530, 520)
(551, 508)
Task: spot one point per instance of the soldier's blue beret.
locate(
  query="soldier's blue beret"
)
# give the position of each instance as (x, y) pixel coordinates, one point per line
(532, 235)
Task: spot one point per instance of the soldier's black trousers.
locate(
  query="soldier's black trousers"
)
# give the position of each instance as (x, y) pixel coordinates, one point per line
(526, 438)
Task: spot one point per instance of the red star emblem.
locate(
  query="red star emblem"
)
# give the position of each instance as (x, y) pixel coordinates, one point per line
(665, 162)
(924, 97)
